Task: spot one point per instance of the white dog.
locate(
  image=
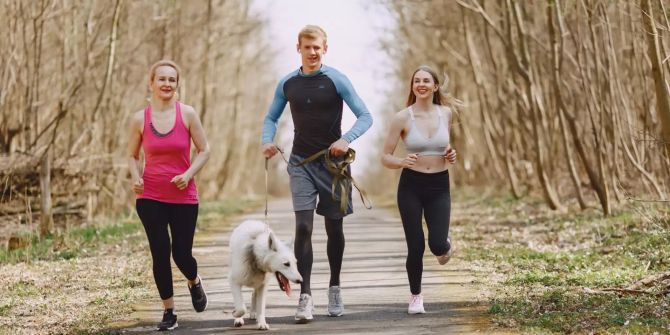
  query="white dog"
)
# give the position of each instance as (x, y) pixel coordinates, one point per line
(255, 254)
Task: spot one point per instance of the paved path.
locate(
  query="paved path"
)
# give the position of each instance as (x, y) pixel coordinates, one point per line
(374, 285)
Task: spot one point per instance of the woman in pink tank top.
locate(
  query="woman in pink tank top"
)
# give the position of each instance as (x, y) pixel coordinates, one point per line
(166, 193)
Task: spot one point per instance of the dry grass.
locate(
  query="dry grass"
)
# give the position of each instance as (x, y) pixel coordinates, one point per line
(78, 295)
(88, 280)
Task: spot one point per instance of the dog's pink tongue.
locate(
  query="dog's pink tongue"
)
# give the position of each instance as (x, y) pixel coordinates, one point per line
(287, 285)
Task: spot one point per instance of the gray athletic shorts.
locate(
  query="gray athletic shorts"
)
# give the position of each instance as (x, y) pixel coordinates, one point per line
(312, 180)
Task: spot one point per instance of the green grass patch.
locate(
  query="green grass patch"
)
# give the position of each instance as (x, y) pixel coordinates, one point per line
(214, 212)
(74, 243)
(105, 233)
(555, 266)
(23, 289)
(561, 311)
(5, 309)
(80, 241)
(131, 283)
(536, 277)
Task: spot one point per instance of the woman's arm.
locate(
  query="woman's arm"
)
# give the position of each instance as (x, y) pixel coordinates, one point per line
(134, 145)
(450, 153)
(201, 146)
(394, 134)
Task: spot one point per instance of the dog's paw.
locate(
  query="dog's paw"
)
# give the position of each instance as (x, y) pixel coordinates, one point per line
(238, 313)
(263, 326)
(239, 322)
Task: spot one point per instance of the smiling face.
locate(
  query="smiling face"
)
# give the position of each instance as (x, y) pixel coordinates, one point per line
(311, 50)
(423, 85)
(164, 82)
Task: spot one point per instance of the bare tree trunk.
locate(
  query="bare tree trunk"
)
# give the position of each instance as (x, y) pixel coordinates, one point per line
(110, 59)
(557, 60)
(662, 94)
(507, 128)
(224, 173)
(474, 62)
(535, 110)
(205, 62)
(31, 89)
(46, 218)
(600, 146)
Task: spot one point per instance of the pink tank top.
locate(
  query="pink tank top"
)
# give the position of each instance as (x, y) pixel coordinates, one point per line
(166, 156)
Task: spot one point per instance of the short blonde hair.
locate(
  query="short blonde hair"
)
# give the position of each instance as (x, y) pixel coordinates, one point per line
(312, 31)
(163, 62)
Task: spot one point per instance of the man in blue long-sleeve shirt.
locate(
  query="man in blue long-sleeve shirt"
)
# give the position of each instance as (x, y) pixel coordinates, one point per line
(315, 93)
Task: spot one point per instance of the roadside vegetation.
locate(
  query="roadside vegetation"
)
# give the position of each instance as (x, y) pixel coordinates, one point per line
(558, 272)
(86, 279)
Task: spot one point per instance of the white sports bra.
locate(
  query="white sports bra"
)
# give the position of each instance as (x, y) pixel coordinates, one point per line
(418, 143)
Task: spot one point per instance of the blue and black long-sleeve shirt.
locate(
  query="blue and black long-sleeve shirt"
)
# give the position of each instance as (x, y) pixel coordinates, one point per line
(316, 107)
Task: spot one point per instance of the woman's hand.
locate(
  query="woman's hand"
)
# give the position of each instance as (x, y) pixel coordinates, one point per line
(450, 155)
(138, 186)
(409, 161)
(181, 181)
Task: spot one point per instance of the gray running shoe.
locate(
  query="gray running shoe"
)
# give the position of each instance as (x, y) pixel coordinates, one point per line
(335, 305)
(305, 309)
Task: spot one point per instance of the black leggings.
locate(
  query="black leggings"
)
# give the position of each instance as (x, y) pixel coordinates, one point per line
(304, 223)
(156, 217)
(424, 194)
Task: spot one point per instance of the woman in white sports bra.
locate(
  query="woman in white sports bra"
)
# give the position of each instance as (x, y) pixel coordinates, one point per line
(423, 189)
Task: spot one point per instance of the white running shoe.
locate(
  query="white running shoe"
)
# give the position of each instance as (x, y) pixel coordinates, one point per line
(416, 304)
(444, 259)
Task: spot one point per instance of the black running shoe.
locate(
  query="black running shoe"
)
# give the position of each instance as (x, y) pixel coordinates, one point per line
(198, 296)
(169, 321)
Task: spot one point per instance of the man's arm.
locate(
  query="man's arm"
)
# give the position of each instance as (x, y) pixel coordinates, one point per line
(274, 112)
(355, 103)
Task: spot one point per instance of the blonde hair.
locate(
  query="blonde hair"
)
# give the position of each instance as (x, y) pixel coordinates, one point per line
(312, 31)
(163, 62)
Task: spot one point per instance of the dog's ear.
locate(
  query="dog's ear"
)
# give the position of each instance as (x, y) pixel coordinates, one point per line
(272, 242)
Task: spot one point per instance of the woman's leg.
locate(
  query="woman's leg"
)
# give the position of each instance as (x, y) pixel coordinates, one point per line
(411, 211)
(437, 213)
(154, 217)
(183, 219)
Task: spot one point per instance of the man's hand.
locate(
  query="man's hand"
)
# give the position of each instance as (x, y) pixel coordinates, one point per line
(339, 148)
(269, 150)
